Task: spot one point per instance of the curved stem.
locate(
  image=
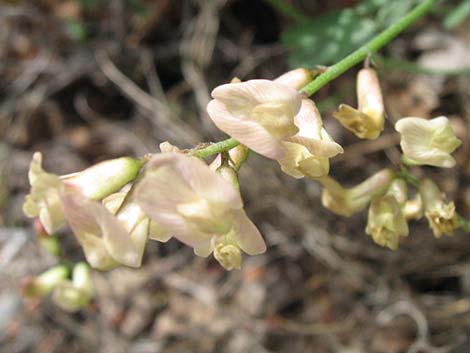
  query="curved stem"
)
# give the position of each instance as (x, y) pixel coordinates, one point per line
(370, 47)
(334, 71)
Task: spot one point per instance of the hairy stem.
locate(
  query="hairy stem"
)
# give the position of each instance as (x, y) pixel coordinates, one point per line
(215, 148)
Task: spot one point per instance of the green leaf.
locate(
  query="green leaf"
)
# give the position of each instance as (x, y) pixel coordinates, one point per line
(327, 38)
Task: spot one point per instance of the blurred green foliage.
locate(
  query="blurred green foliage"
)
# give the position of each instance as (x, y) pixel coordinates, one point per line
(327, 38)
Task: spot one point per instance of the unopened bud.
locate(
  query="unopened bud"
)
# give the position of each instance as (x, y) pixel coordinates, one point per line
(297, 78)
(43, 284)
(441, 216)
(105, 178)
(368, 120)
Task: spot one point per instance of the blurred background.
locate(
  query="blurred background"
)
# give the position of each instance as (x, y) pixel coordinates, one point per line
(87, 80)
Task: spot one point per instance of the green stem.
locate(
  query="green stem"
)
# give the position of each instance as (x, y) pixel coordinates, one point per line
(334, 71)
(215, 148)
(369, 48)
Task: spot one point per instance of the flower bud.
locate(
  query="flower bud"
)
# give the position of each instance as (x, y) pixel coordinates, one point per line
(386, 222)
(104, 178)
(43, 284)
(346, 202)
(441, 216)
(428, 142)
(76, 294)
(368, 120)
(297, 78)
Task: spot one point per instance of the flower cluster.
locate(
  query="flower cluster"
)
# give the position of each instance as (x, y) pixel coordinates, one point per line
(116, 206)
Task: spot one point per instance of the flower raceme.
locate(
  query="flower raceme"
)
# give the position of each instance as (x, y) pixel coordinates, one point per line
(199, 207)
(368, 120)
(258, 113)
(427, 142)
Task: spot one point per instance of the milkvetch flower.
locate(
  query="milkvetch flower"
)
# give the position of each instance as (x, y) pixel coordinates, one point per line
(308, 152)
(95, 182)
(441, 216)
(368, 120)
(386, 222)
(347, 201)
(111, 233)
(258, 113)
(196, 205)
(428, 142)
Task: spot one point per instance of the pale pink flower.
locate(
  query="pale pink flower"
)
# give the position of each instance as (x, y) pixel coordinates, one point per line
(107, 239)
(195, 204)
(258, 113)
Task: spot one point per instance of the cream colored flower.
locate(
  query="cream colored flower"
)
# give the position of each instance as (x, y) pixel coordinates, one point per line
(368, 120)
(308, 152)
(95, 182)
(347, 201)
(441, 216)
(195, 204)
(258, 113)
(386, 222)
(428, 142)
(111, 233)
